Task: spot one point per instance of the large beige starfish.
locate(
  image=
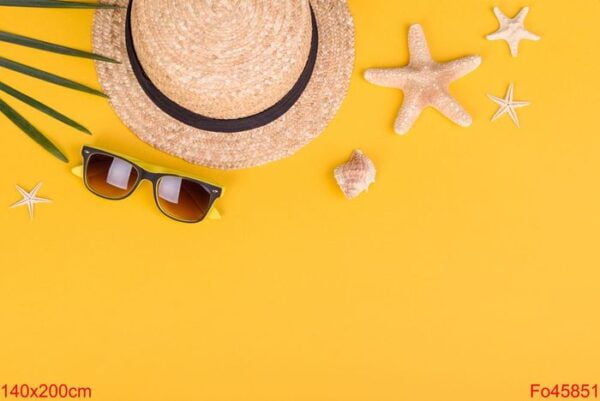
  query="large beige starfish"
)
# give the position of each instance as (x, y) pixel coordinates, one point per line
(512, 30)
(424, 82)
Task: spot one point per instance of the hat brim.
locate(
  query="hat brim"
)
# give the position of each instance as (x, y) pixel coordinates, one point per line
(283, 137)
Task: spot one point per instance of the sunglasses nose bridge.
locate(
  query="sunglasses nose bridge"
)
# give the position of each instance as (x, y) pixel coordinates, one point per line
(151, 178)
(145, 180)
(146, 175)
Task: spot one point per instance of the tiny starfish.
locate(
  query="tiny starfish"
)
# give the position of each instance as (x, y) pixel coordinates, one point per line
(512, 30)
(508, 105)
(424, 82)
(30, 198)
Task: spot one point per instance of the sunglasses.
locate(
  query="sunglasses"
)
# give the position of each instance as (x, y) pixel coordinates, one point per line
(115, 176)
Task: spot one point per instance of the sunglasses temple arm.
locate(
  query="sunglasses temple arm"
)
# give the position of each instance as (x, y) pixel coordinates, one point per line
(213, 214)
(78, 171)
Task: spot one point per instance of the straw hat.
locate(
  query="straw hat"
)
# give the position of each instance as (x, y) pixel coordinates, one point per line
(226, 83)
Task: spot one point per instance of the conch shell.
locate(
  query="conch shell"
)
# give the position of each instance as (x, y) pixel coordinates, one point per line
(355, 175)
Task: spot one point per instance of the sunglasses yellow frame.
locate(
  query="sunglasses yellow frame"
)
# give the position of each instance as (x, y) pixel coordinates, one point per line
(213, 212)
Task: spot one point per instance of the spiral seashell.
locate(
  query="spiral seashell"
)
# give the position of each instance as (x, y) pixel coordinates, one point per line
(355, 175)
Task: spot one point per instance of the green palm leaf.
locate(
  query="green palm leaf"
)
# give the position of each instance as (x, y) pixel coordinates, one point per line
(42, 107)
(31, 131)
(11, 113)
(48, 77)
(55, 4)
(50, 47)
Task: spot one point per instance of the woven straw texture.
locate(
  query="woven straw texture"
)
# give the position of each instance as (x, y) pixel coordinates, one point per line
(227, 59)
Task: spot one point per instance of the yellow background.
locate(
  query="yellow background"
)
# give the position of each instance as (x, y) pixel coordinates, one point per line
(467, 272)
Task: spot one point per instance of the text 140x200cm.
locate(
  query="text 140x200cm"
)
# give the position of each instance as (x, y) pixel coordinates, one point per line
(53, 391)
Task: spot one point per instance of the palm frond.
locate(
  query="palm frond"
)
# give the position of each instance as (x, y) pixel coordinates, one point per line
(16, 118)
(55, 4)
(36, 104)
(50, 47)
(48, 77)
(31, 131)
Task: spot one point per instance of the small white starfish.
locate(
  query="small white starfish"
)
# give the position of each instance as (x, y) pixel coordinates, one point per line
(30, 198)
(508, 105)
(424, 82)
(512, 30)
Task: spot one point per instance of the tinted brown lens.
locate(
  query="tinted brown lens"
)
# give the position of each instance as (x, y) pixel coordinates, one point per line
(110, 176)
(182, 199)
